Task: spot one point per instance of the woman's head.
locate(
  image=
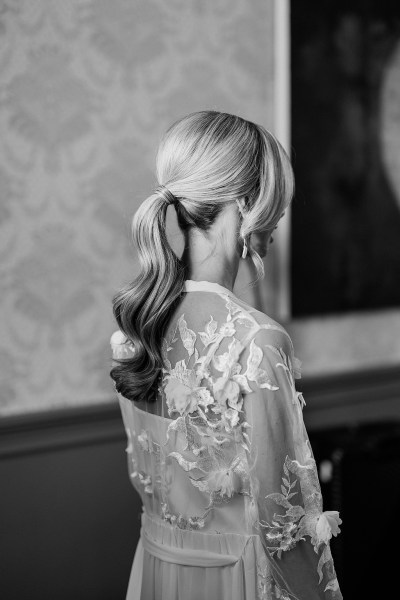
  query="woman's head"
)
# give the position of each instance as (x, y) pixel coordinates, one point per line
(207, 160)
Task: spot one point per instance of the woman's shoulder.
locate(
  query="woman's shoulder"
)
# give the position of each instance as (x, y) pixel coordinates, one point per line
(272, 336)
(263, 325)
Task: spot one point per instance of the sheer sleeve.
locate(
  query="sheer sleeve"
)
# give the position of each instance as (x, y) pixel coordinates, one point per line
(286, 505)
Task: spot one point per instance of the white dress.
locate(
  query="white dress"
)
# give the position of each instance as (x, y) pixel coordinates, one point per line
(232, 506)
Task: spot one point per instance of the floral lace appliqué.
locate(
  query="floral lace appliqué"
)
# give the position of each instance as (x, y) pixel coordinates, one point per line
(180, 520)
(211, 409)
(287, 529)
(143, 440)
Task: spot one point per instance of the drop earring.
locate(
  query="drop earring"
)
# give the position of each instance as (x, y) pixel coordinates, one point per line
(244, 253)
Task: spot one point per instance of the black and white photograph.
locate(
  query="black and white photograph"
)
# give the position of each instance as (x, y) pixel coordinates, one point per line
(200, 299)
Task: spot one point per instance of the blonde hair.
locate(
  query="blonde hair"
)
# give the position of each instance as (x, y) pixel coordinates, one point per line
(206, 160)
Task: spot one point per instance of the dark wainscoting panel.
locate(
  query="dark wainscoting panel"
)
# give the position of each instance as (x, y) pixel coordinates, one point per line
(70, 517)
(351, 399)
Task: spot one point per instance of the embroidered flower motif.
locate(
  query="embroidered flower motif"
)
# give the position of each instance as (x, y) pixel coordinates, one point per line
(225, 481)
(298, 521)
(189, 522)
(167, 516)
(230, 418)
(227, 329)
(228, 388)
(120, 346)
(143, 440)
(181, 521)
(226, 392)
(327, 525)
(228, 360)
(145, 480)
(182, 393)
(180, 397)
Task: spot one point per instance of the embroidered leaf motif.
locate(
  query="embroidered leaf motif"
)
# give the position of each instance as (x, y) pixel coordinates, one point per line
(188, 336)
(254, 373)
(280, 499)
(286, 365)
(325, 557)
(187, 465)
(333, 585)
(208, 336)
(243, 319)
(178, 425)
(232, 307)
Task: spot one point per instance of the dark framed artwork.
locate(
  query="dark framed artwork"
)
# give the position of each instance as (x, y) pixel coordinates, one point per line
(345, 145)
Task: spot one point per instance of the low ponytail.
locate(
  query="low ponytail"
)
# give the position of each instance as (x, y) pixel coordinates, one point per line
(143, 307)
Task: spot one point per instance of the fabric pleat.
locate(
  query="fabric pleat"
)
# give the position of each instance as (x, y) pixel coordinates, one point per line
(174, 564)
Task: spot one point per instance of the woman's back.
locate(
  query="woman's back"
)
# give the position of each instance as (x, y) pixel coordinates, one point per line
(222, 462)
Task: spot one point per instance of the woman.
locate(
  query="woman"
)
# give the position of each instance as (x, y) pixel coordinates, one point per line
(217, 448)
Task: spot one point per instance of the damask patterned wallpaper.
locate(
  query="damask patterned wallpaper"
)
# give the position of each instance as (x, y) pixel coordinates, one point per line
(87, 89)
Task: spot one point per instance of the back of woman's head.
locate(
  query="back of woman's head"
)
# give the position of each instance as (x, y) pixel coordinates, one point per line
(205, 160)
